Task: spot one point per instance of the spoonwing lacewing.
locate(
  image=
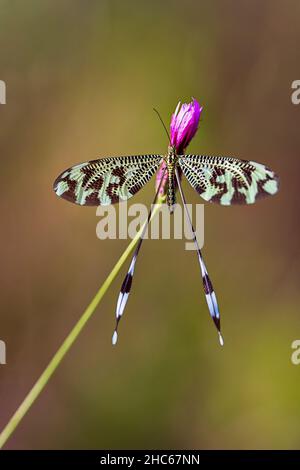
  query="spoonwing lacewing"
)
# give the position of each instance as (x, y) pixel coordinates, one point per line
(219, 179)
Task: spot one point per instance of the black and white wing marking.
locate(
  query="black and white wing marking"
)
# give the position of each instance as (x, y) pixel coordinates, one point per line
(227, 180)
(107, 180)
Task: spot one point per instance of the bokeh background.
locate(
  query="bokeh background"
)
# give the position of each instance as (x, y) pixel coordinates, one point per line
(82, 78)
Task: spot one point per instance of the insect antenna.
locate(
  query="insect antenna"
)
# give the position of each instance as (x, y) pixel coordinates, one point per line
(161, 120)
(207, 284)
(127, 283)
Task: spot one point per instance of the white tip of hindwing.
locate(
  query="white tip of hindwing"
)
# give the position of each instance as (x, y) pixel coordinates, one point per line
(114, 338)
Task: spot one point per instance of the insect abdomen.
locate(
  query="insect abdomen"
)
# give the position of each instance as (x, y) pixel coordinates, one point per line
(171, 197)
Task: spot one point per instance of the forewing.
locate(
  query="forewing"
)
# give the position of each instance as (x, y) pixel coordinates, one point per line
(227, 180)
(107, 180)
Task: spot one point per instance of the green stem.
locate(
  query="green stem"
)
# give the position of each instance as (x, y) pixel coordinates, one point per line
(66, 345)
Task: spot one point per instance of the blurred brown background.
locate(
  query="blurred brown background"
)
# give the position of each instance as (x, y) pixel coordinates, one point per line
(82, 78)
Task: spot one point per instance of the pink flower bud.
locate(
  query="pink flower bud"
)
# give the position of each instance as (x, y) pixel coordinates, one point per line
(184, 124)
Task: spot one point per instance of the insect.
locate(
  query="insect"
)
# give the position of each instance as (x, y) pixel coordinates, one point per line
(223, 180)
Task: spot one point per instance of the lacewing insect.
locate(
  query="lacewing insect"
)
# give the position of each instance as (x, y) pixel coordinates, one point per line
(223, 180)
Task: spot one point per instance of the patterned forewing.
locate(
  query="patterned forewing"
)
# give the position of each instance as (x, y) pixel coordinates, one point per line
(227, 180)
(107, 180)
